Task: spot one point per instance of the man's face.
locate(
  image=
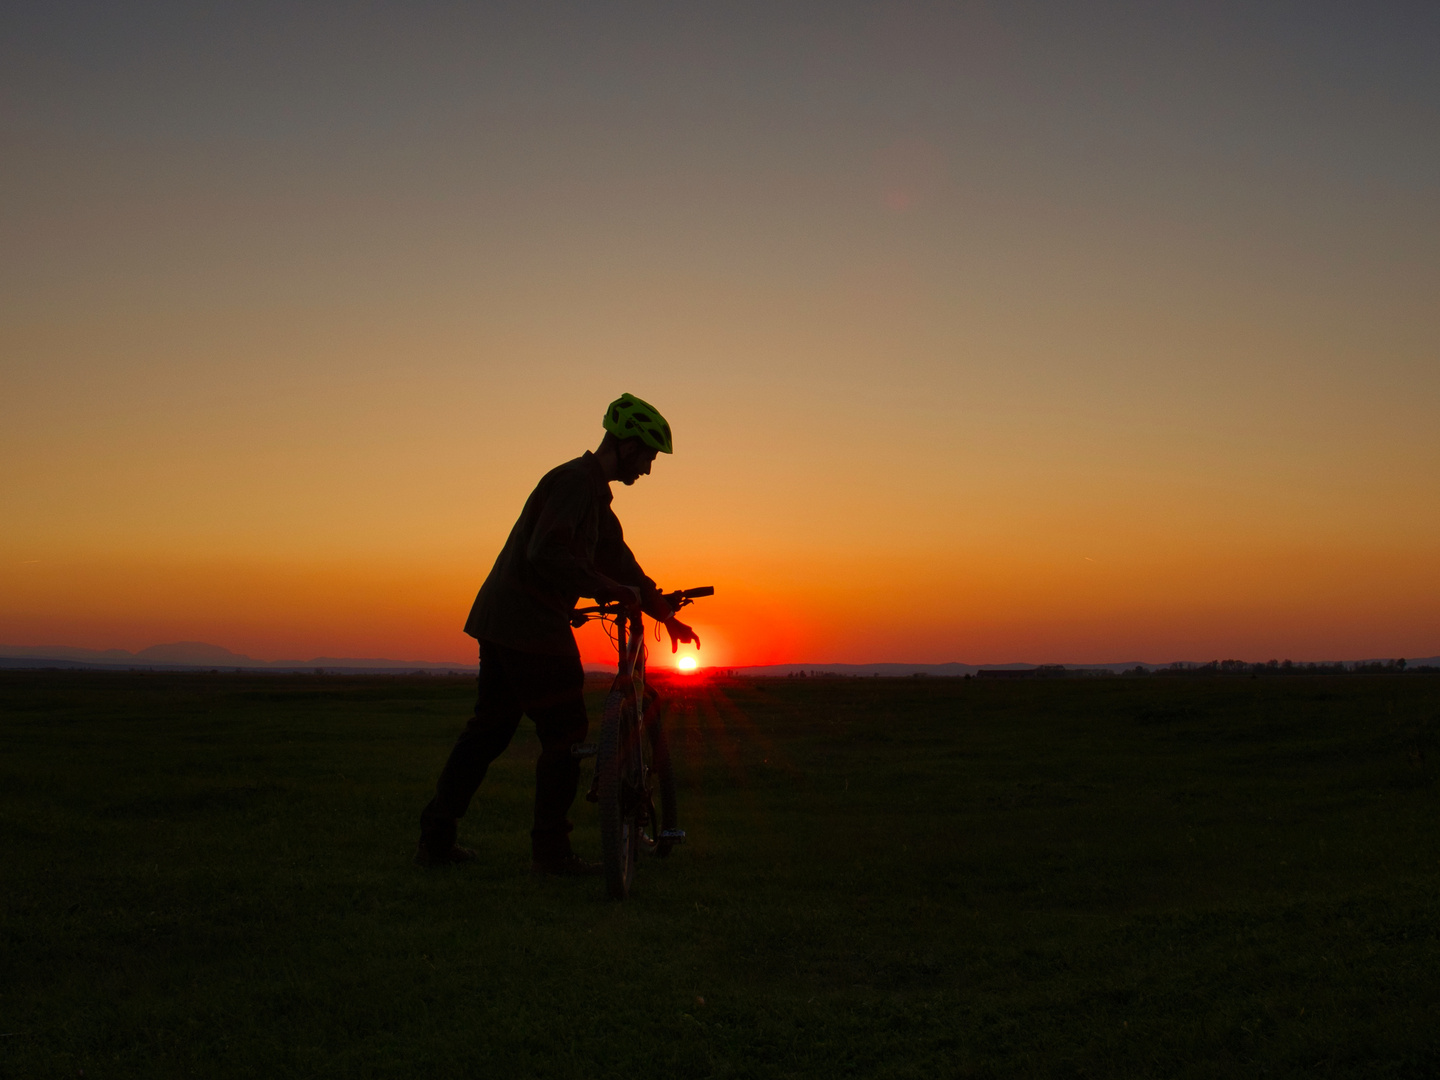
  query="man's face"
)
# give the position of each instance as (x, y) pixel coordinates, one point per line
(635, 460)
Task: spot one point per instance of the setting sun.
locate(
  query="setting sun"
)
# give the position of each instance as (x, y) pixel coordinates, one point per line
(687, 663)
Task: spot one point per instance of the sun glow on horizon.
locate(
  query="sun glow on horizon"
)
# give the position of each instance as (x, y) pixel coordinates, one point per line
(686, 664)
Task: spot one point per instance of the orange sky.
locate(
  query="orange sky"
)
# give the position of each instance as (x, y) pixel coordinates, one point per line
(986, 338)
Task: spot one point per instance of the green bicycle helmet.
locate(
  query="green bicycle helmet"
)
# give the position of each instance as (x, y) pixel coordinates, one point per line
(630, 418)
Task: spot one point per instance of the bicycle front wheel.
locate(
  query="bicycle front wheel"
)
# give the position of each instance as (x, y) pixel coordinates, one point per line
(621, 788)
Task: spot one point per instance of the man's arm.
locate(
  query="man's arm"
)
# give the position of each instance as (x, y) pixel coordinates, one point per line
(557, 547)
(616, 558)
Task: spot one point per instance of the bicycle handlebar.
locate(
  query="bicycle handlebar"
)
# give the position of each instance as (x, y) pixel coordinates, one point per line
(677, 599)
(684, 595)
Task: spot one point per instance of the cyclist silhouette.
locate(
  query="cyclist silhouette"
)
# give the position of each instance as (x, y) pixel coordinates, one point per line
(567, 544)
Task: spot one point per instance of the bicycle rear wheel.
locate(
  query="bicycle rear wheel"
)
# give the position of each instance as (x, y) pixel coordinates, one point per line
(664, 775)
(617, 765)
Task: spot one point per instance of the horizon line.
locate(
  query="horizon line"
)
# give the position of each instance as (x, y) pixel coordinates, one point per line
(70, 654)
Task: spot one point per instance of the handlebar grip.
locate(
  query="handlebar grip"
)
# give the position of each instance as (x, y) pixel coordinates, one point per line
(680, 597)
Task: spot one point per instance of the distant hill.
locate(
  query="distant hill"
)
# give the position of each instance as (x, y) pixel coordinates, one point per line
(950, 670)
(954, 670)
(202, 655)
(194, 652)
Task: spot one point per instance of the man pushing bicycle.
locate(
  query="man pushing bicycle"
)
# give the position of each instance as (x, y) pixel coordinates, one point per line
(567, 544)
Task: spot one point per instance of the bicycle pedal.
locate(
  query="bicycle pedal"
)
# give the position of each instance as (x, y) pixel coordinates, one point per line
(673, 836)
(583, 750)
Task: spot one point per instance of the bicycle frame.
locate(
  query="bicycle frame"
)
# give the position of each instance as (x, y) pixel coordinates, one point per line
(631, 647)
(630, 636)
(629, 644)
(632, 764)
(641, 736)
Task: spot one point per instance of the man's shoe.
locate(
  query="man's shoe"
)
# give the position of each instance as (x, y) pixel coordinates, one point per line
(456, 855)
(571, 865)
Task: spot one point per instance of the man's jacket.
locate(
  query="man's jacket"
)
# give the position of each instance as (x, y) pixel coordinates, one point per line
(565, 534)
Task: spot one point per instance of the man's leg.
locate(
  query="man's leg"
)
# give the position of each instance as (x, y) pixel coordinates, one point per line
(553, 694)
(497, 715)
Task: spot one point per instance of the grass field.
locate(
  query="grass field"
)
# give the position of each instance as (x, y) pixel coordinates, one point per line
(210, 876)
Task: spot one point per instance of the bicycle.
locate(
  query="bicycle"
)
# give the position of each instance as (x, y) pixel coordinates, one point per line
(632, 757)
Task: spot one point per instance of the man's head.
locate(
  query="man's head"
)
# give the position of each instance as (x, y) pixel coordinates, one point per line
(632, 457)
(634, 433)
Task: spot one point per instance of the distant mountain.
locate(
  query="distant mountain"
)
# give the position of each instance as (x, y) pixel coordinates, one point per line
(950, 670)
(200, 654)
(64, 652)
(194, 652)
(953, 669)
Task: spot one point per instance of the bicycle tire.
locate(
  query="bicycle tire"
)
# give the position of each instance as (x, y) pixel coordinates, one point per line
(613, 766)
(665, 775)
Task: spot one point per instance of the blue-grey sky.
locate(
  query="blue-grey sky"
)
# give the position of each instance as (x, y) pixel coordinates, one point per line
(976, 294)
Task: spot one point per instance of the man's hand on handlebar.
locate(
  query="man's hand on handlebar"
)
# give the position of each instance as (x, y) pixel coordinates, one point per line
(680, 633)
(627, 596)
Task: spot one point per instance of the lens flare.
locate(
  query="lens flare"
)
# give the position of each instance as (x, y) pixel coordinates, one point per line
(687, 663)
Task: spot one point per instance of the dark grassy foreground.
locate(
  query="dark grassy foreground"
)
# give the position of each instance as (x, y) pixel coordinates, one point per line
(209, 876)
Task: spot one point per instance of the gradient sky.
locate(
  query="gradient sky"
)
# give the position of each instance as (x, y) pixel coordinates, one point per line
(989, 332)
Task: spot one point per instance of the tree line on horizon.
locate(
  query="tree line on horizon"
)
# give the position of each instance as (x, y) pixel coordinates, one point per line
(1287, 667)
